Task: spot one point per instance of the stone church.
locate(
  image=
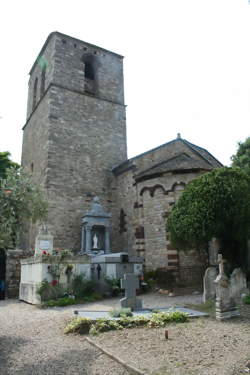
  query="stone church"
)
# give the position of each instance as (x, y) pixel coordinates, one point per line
(74, 144)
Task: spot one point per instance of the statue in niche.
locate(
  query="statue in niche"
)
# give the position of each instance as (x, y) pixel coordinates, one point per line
(95, 241)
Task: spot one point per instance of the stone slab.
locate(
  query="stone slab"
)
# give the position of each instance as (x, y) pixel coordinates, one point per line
(146, 312)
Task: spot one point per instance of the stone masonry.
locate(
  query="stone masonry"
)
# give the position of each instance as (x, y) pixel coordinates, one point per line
(74, 144)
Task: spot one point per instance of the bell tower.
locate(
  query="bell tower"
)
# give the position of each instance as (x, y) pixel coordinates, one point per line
(75, 131)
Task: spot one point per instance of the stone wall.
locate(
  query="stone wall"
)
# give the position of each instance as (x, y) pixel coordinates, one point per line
(73, 138)
(13, 271)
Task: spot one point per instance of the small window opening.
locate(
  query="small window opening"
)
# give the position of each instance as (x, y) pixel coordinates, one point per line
(89, 71)
(123, 222)
(63, 41)
(32, 167)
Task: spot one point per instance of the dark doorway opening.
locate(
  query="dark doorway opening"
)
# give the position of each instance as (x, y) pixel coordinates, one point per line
(2, 274)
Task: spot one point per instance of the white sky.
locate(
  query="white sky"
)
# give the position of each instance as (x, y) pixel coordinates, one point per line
(186, 66)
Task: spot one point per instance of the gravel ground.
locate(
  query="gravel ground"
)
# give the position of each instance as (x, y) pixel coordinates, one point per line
(32, 342)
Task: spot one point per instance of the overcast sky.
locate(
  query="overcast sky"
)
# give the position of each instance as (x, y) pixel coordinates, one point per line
(186, 66)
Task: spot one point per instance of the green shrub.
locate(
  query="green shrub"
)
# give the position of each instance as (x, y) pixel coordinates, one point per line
(81, 325)
(114, 284)
(246, 300)
(81, 287)
(104, 325)
(159, 277)
(47, 291)
(162, 318)
(64, 301)
(116, 313)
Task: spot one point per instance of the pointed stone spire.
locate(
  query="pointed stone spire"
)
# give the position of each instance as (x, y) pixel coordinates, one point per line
(178, 135)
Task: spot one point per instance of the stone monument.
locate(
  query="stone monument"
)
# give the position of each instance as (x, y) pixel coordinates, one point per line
(44, 241)
(208, 284)
(225, 306)
(130, 283)
(95, 234)
(238, 284)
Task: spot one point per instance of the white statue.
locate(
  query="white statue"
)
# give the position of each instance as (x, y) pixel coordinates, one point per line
(95, 242)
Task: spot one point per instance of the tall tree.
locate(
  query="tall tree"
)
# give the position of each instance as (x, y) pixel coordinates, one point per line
(6, 163)
(216, 204)
(242, 157)
(20, 201)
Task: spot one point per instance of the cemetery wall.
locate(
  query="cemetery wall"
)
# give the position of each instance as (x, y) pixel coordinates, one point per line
(13, 271)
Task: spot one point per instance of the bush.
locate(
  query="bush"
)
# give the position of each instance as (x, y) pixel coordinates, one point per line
(94, 327)
(246, 300)
(114, 284)
(47, 291)
(117, 313)
(64, 301)
(159, 277)
(81, 287)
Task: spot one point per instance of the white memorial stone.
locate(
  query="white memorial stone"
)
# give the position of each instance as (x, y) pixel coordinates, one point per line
(208, 284)
(44, 241)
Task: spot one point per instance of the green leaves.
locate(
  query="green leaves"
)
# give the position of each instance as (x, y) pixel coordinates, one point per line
(216, 204)
(20, 201)
(6, 163)
(242, 157)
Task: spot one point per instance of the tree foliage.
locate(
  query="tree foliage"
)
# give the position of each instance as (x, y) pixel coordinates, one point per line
(20, 201)
(242, 157)
(216, 204)
(6, 163)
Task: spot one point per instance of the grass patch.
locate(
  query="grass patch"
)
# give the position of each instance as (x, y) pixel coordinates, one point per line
(94, 327)
(67, 301)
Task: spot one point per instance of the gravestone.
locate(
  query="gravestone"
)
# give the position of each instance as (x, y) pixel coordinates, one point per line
(225, 306)
(130, 283)
(44, 241)
(238, 284)
(208, 284)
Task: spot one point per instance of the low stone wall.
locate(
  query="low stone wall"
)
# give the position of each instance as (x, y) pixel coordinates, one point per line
(13, 271)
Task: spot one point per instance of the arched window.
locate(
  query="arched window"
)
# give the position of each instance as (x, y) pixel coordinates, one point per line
(34, 94)
(43, 75)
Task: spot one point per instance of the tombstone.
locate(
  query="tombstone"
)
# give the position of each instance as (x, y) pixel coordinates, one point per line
(225, 306)
(238, 284)
(130, 283)
(44, 241)
(208, 284)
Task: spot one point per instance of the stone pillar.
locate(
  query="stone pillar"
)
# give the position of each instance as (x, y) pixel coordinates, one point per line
(107, 240)
(83, 240)
(88, 239)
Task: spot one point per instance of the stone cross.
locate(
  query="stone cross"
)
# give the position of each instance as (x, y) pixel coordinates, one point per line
(221, 262)
(130, 283)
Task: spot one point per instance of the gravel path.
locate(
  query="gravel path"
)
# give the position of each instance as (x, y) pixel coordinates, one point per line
(32, 342)
(32, 339)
